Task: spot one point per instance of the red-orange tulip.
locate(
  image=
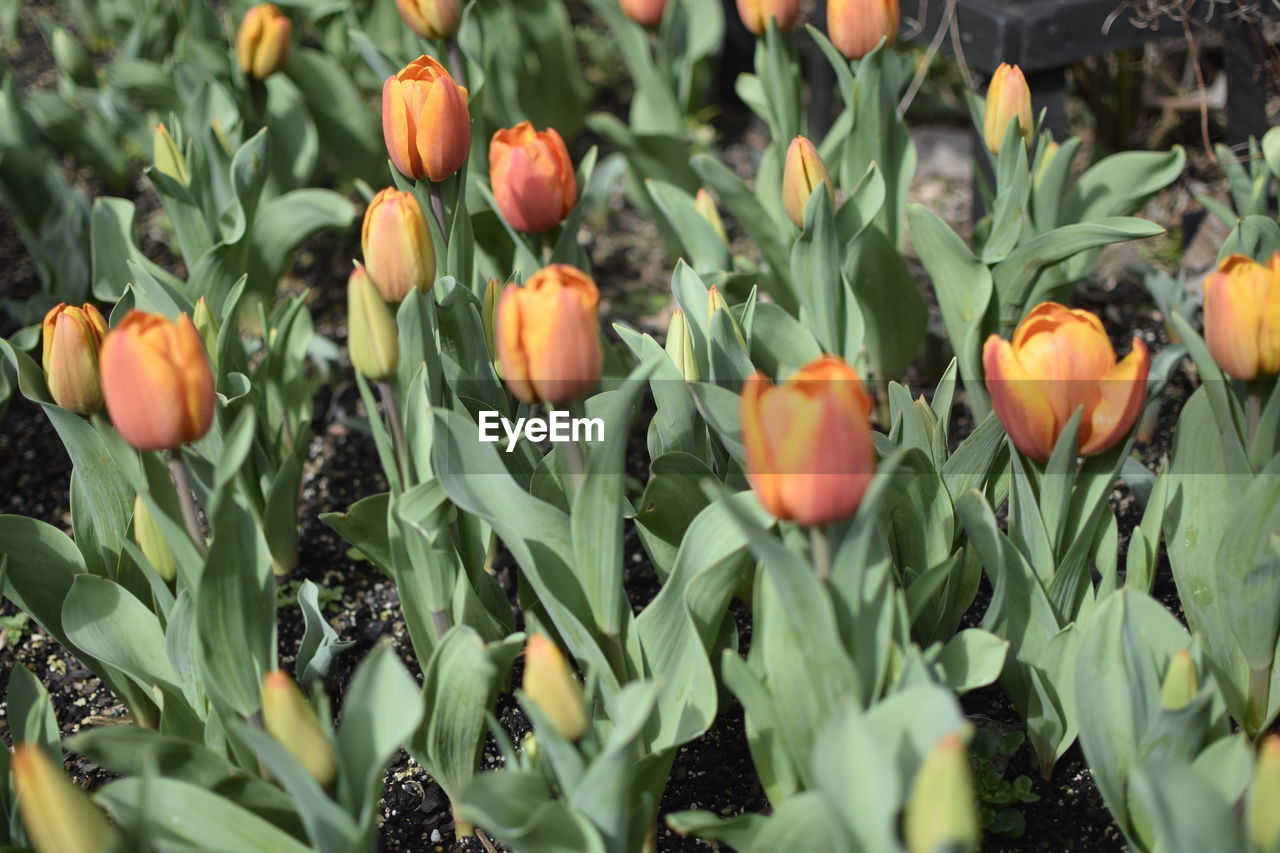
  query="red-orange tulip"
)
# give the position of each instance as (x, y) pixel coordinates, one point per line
(71, 340)
(262, 42)
(395, 239)
(549, 336)
(532, 177)
(855, 27)
(755, 14)
(1008, 97)
(808, 442)
(1059, 360)
(1242, 316)
(431, 19)
(157, 382)
(425, 121)
(646, 13)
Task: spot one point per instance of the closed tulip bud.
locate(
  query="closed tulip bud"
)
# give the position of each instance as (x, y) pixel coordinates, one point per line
(716, 302)
(58, 816)
(147, 535)
(70, 57)
(1263, 816)
(395, 239)
(705, 205)
(262, 42)
(72, 338)
(855, 27)
(425, 122)
(157, 381)
(646, 13)
(207, 325)
(679, 346)
(1050, 151)
(549, 336)
(1180, 682)
(755, 14)
(1060, 360)
(803, 173)
(167, 156)
(808, 442)
(290, 719)
(1008, 98)
(552, 687)
(941, 814)
(431, 19)
(532, 177)
(372, 339)
(1242, 316)
(489, 320)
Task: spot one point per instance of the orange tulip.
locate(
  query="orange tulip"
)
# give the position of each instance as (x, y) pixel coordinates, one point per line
(398, 252)
(802, 173)
(1008, 97)
(646, 13)
(550, 685)
(431, 19)
(262, 42)
(58, 816)
(157, 382)
(755, 14)
(289, 718)
(549, 336)
(1059, 360)
(71, 340)
(532, 177)
(1242, 316)
(855, 27)
(808, 442)
(425, 121)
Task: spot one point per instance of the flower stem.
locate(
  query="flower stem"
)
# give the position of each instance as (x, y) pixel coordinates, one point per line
(548, 247)
(820, 545)
(388, 395)
(1255, 708)
(1252, 411)
(457, 69)
(186, 500)
(437, 207)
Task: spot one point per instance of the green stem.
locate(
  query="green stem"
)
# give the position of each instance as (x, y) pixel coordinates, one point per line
(617, 660)
(388, 395)
(1255, 709)
(437, 207)
(548, 247)
(820, 545)
(187, 500)
(1252, 411)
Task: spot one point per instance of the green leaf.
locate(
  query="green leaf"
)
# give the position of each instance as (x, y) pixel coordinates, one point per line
(971, 659)
(30, 715)
(104, 619)
(515, 806)
(41, 563)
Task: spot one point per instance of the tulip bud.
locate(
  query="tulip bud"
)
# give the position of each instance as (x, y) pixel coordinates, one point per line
(425, 122)
(679, 346)
(1242, 317)
(755, 14)
(646, 13)
(549, 336)
(1180, 682)
(803, 173)
(431, 19)
(1263, 816)
(1050, 151)
(146, 533)
(398, 252)
(207, 325)
(716, 302)
(290, 719)
(489, 321)
(808, 442)
(855, 27)
(157, 382)
(58, 816)
(167, 156)
(532, 177)
(72, 338)
(262, 42)
(1008, 98)
(705, 205)
(70, 57)
(372, 339)
(1060, 360)
(552, 688)
(941, 814)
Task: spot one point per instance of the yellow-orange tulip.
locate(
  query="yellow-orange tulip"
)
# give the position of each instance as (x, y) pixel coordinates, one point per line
(290, 719)
(755, 14)
(532, 177)
(1059, 360)
(808, 442)
(801, 175)
(1008, 97)
(646, 13)
(705, 206)
(395, 239)
(552, 687)
(425, 122)
(1242, 316)
(58, 816)
(431, 19)
(549, 336)
(262, 42)
(1262, 818)
(157, 382)
(855, 27)
(71, 340)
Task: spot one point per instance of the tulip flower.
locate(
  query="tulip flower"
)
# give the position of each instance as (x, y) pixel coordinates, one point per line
(1262, 818)
(372, 339)
(290, 719)
(941, 814)
(855, 27)
(431, 19)
(157, 382)
(1060, 360)
(58, 816)
(679, 346)
(262, 42)
(552, 688)
(705, 206)
(802, 173)
(1242, 316)
(808, 442)
(71, 340)
(549, 336)
(425, 121)
(646, 13)
(1007, 98)
(755, 14)
(532, 177)
(395, 239)
(167, 156)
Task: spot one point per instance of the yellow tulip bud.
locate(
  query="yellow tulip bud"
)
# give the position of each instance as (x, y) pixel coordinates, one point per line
(941, 814)
(151, 541)
(803, 172)
(372, 338)
(1180, 682)
(167, 156)
(705, 205)
(1008, 98)
(72, 338)
(262, 42)
(1263, 815)
(716, 302)
(679, 346)
(58, 816)
(207, 327)
(489, 321)
(290, 719)
(552, 688)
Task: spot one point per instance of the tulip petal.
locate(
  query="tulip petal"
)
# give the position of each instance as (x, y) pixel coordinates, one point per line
(444, 149)
(761, 470)
(1233, 299)
(511, 347)
(397, 131)
(841, 465)
(1019, 400)
(1121, 394)
(563, 345)
(140, 385)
